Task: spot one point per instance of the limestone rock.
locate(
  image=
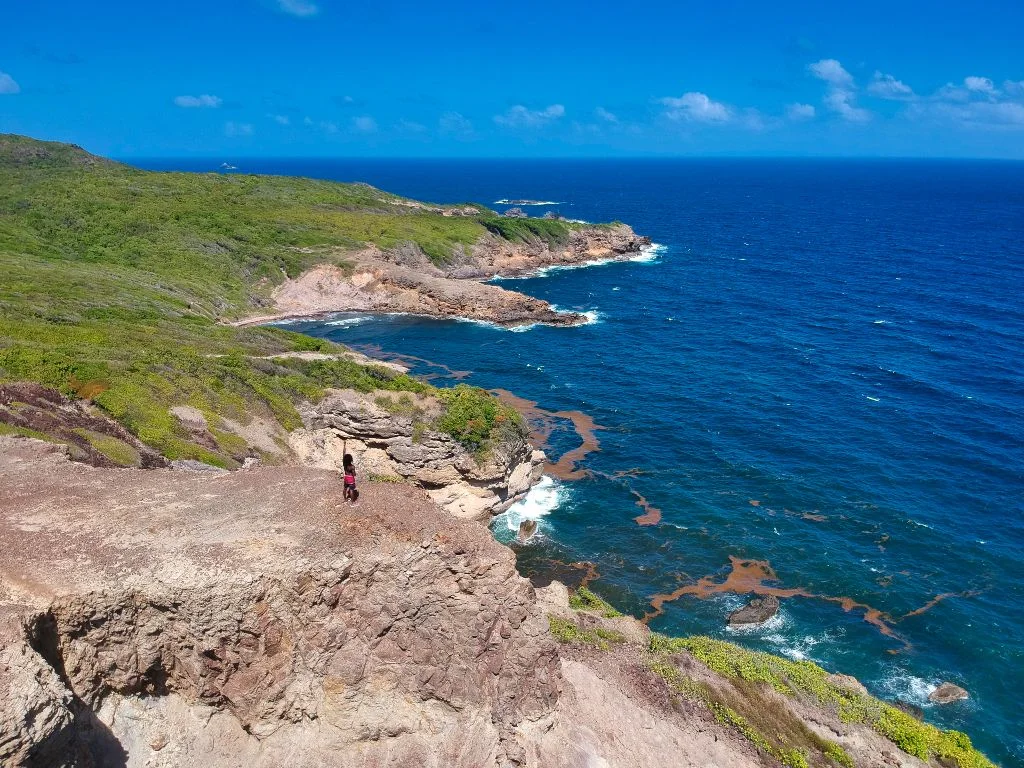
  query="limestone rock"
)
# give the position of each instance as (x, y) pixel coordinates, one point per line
(947, 693)
(757, 611)
(397, 445)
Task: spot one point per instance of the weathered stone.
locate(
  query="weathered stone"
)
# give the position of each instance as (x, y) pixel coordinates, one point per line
(947, 693)
(398, 445)
(758, 610)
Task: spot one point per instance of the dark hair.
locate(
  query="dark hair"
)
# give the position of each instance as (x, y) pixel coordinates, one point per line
(347, 459)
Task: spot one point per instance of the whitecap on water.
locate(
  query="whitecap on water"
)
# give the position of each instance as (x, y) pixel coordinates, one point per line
(900, 685)
(348, 321)
(541, 500)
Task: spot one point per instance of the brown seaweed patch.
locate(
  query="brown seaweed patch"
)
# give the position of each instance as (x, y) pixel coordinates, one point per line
(748, 577)
(812, 516)
(651, 515)
(542, 424)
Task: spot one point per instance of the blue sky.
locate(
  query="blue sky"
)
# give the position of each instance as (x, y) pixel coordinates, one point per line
(328, 78)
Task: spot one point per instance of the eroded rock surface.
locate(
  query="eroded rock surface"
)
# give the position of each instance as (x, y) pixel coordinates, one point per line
(174, 618)
(403, 279)
(390, 444)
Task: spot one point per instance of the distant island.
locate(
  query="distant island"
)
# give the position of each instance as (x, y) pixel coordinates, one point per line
(527, 202)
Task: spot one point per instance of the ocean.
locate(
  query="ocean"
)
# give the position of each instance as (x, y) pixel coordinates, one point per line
(816, 380)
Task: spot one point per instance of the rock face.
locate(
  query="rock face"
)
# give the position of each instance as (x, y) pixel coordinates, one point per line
(947, 693)
(403, 279)
(397, 445)
(189, 619)
(757, 611)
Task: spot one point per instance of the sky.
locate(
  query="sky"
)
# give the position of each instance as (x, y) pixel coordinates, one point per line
(326, 78)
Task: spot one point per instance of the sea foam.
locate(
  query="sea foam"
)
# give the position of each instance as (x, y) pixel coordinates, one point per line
(540, 501)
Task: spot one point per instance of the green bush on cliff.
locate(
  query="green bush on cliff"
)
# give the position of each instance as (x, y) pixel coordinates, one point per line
(585, 600)
(477, 419)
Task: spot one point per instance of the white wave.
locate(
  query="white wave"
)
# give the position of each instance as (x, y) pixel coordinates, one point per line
(920, 525)
(527, 202)
(873, 399)
(540, 501)
(348, 321)
(881, 322)
(592, 315)
(650, 253)
(616, 288)
(900, 685)
(285, 321)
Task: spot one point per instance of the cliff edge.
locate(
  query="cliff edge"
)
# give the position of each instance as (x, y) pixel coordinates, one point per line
(251, 619)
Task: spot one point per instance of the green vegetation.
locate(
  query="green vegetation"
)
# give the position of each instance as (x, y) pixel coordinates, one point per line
(113, 283)
(476, 419)
(118, 451)
(585, 600)
(758, 674)
(567, 631)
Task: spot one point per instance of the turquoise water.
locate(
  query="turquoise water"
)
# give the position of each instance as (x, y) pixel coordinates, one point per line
(839, 342)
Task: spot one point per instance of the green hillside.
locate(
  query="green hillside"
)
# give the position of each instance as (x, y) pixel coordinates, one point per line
(113, 280)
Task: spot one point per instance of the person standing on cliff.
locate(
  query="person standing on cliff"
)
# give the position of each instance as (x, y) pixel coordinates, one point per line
(350, 493)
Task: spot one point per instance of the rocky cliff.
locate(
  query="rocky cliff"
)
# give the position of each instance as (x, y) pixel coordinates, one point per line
(403, 279)
(389, 439)
(172, 619)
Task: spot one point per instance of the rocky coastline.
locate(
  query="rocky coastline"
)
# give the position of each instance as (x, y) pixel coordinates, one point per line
(188, 619)
(403, 280)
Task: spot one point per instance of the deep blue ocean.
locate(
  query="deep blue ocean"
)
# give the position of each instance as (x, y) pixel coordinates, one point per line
(822, 369)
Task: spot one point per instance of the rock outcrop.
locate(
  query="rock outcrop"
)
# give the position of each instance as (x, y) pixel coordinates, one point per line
(757, 611)
(404, 280)
(176, 619)
(190, 619)
(389, 444)
(947, 693)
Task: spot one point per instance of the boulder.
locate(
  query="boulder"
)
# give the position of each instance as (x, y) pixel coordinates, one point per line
(947, 693)
(758, 610)
(527, 529)
(515, 213)
(849, 682)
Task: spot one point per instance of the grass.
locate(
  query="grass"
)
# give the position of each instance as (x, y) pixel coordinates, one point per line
(568, 631)
(753, 672)
(585, 600)
(750, 705)
(113, 282)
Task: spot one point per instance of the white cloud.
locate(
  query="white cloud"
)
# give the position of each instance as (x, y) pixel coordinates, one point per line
(521, 117)
(888, 87)
(8, 85)
(842, 103)
(455, 124)
(1014, 88)
(410, 126)
(364, 124)
(696, 107)
(301, 8)
(237, 129)
(980, 85)
(832, 72)
(604, 114)
(281, 119)
(977, 104)
(196, 102)
(800, 111)
(841, 96)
